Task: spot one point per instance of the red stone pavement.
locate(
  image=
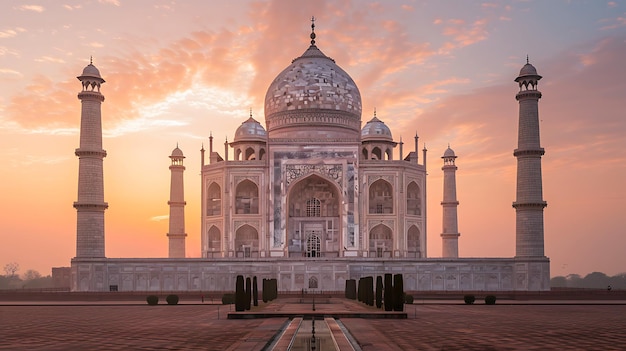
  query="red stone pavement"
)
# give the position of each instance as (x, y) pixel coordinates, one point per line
(432, 326)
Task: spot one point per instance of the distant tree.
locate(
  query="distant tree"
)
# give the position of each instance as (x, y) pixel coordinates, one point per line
(618, 281)
(39, 283)
(11, 268)
(31, 274)
(558, 282)
(596, 280)
(574, 281)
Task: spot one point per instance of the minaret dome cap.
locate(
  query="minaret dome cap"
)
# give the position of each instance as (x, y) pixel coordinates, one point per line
(528, 70)
(177, 153)
(449, 153)
(90, 71)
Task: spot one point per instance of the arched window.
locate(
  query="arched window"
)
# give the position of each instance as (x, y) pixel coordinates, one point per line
(413, 200)
(381, 241)
(250, 154)
(247, 198)
(246, 241)
(413, 242)
(364, 154)
(313, 207)
(380, 197)
(376, 154)
(214, 241)
(313, 283)
(262, 154)
(214, 200)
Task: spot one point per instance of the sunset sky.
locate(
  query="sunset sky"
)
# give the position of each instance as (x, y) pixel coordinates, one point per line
(177, 71)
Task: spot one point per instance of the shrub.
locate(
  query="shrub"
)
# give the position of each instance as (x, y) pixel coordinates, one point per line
(351, 289)
(388, 292)
(172, 299)
(228, 299)
(240, 294)
(408, 299)
(255, 292)
(152, 300)
(248, 292)
(379, 292)
(398, 292)
(490, 300)
(469, 299)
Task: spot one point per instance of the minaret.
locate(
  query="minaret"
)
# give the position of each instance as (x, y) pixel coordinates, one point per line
(90, 205)
(177, 204)
(529, 204)
(450, 233)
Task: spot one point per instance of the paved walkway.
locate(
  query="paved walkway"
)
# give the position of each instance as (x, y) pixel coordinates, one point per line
(205, 327)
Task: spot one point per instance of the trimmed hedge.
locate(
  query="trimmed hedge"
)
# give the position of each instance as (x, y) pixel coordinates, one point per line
(379, 292)
(490, 300)
(398, 293)
(152, 300)
(408, 299)
(255, 291)
(228, 299)
(388, 292)
(172, 299)
(351, 289)
(240, 294)
(469, 299)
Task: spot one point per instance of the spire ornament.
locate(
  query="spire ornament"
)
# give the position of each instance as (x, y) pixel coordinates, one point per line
(312, 30)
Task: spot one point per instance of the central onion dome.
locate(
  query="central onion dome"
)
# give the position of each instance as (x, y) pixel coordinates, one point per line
(313, 98)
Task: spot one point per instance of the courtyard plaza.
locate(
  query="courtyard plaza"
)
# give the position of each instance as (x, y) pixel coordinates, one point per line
(430, 325)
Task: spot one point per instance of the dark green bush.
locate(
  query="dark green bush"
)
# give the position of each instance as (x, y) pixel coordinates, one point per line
(248, 293)
(388, 292)
(172, 299)
(408, 299)
(255, 291)
(240, 294)
(490, 300)
(351, 289)
(398, 292)
(152, 300)
(228, 299)
(379, 292)
(469, 299)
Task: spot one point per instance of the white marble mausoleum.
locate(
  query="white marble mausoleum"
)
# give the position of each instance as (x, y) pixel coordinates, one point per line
(313, 197)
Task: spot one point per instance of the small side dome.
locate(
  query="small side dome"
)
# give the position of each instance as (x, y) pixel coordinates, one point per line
(528, 70)
(250, 130)
(376, 130)
(449, 153)
(91, 71)
(177, 153)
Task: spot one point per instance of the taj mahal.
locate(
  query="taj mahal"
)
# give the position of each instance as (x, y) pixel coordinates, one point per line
(312, 197)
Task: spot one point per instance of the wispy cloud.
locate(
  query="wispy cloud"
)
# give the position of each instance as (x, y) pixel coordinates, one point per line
(110, 2)
(9, 33)
(34, 8)
(10, 72)
(160, 218)
(50, 59)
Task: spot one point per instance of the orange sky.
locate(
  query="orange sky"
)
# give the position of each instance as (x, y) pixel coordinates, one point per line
(176, 72)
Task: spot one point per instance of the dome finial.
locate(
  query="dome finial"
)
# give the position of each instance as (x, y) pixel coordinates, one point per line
(91, 60)
(250, 112)
(527, 59)
(374, 111)
(312, 30)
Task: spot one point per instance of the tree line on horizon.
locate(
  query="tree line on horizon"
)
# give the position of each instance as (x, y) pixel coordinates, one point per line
(595, 280)
(31, 279)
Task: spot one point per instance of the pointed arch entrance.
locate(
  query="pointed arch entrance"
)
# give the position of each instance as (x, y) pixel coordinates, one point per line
(313, 223)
